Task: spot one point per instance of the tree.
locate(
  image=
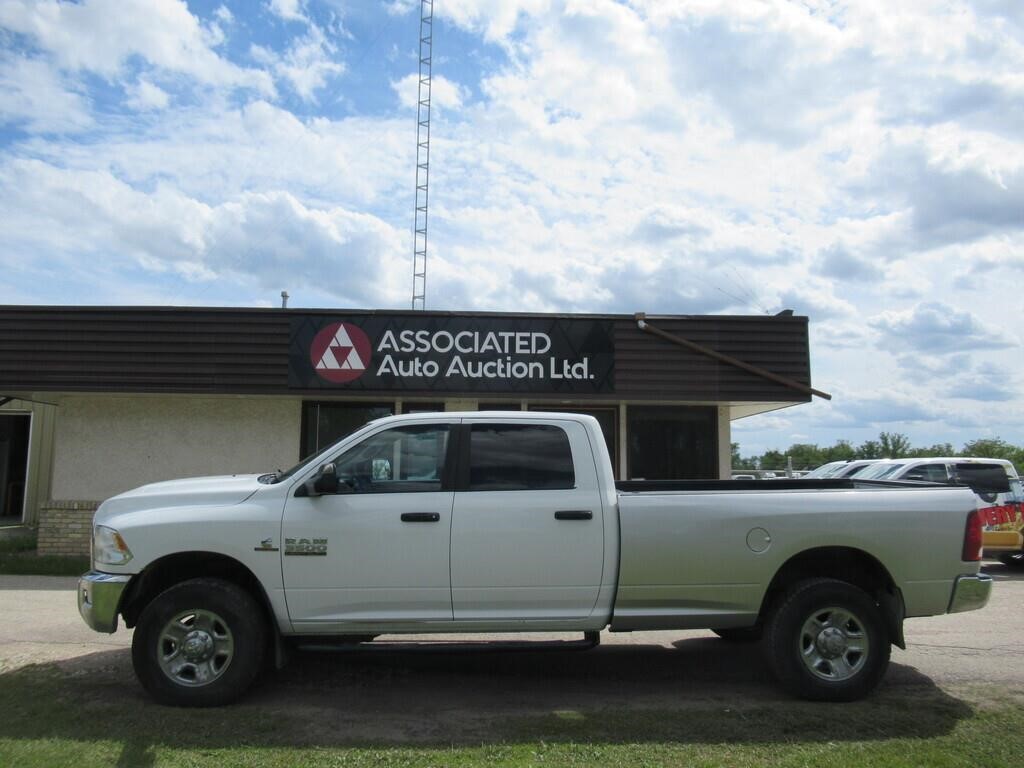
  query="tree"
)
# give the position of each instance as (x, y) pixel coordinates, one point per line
(870, 449)
(773, 460)
(894, 445)
(939, 449)
(805, 456)
(841, 451)
(995, 448)
(989, 448)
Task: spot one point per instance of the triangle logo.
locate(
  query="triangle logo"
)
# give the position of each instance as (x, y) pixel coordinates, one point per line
(340, 352)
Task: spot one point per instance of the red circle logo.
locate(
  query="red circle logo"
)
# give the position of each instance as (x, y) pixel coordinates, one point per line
(340, 353)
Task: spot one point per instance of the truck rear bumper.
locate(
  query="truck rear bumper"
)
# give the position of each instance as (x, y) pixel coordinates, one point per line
(970, 593)
(99, 597)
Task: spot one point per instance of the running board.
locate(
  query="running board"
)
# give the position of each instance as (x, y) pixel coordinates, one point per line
(590, 640)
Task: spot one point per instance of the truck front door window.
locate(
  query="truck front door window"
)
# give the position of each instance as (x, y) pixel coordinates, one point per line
(403, 460)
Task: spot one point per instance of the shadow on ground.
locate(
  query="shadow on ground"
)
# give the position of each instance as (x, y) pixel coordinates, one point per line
(701, 691)
(1002, 572)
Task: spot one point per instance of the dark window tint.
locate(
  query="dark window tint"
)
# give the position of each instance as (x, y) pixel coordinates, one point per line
(987, 480)
(672, 443)
(608, 418)
(519, 457)
(935, 473)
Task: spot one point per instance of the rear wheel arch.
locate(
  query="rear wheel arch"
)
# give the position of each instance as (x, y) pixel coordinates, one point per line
(847, 564)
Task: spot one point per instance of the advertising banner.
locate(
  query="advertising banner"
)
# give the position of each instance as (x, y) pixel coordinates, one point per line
(451, 354)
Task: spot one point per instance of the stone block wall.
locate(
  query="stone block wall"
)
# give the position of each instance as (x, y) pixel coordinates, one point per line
(65, 527)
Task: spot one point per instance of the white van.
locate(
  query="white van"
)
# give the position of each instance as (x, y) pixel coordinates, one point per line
(1002, 513)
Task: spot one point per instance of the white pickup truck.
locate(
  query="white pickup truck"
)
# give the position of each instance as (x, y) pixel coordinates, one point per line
(512, 522)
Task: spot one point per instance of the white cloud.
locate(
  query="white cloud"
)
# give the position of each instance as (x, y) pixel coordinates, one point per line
(443, 92)
(36, 97)
(146, 96)
(289, 10)
(101, 36)
(267, 239)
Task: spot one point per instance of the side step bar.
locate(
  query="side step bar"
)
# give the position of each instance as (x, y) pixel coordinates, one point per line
(590, 640)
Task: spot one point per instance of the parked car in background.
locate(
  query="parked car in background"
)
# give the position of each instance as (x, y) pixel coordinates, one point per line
(841, 468)
(1002, 513)
(1003, 534)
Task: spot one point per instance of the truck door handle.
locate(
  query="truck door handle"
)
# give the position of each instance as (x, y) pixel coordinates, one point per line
(574, 514)
(420, 517)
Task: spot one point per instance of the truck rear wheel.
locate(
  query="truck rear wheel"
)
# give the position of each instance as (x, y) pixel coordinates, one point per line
(827, 641)
(199, 644)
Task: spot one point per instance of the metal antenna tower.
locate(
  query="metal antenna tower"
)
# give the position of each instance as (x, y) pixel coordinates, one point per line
(419, 227)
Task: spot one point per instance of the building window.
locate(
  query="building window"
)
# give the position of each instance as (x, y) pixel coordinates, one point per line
(408, 407)
(672, 443)
(326, 423)
(608, 418)
(519, 457)
(499, 407)
(14, 437)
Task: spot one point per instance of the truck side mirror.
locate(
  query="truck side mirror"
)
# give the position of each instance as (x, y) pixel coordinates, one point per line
(324, 482)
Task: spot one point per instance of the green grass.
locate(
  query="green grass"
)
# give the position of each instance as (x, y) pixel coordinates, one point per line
(68, 716)
(18, 556)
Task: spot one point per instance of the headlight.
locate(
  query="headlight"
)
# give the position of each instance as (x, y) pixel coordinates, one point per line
(108, 547)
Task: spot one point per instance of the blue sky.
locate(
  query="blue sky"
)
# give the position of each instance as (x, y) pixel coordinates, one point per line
(861, 163)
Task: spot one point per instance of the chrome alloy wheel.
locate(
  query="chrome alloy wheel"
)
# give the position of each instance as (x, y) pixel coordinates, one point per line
(833, 644)
(195, 648)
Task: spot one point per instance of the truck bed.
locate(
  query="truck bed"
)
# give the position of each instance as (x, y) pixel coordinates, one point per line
(782, 484)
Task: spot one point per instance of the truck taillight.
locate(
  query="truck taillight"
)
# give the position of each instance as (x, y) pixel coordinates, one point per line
(972, 538)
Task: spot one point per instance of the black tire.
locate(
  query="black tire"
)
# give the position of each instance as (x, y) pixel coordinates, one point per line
(1012, 559)
(202, 628)
(827, 641)
(740, 634)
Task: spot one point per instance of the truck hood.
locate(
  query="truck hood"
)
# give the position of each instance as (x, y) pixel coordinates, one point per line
(215, 491)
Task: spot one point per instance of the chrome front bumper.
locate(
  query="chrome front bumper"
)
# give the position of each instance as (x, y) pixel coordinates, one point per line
(970, 593)
(99, 597)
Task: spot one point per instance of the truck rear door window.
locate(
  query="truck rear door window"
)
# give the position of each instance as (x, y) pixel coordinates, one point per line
(519, 457)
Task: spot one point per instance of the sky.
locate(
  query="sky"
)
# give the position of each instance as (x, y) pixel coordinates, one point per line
(861, 163)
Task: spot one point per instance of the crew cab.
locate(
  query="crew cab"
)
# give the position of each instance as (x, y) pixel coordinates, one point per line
(512, 522)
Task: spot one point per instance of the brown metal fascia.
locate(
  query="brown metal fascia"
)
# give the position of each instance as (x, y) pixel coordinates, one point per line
(643, 325)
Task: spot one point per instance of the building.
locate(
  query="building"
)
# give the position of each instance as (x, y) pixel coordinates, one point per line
(97, 400)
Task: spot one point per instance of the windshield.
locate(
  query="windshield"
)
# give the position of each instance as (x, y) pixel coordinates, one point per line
(878, 471)
(826, 470)
(276, 477)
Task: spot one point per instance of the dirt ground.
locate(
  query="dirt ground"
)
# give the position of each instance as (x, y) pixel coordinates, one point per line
(412, 695)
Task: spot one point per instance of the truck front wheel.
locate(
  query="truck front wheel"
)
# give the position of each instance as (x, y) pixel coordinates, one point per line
(200, 643)
(827, 641)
